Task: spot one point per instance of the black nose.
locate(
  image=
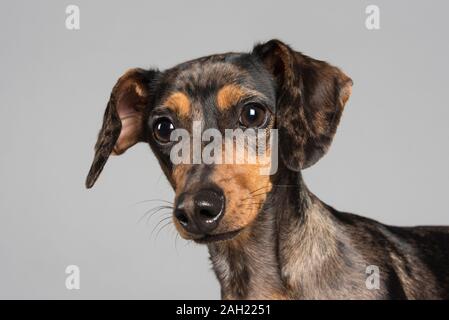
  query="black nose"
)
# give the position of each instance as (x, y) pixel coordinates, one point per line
(201, 212)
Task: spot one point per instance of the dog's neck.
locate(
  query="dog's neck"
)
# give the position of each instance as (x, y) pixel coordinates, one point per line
(281, 255)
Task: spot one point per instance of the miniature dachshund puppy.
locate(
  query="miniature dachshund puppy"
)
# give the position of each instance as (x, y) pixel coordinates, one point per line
(284, 243)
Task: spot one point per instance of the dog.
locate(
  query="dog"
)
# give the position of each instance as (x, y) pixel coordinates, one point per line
(268, 236)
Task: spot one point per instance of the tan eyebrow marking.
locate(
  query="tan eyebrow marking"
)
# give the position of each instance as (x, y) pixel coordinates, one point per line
(179, 103)
(229, 96)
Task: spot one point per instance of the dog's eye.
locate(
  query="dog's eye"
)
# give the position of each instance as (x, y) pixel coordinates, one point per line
(253, 116)
(162, 129)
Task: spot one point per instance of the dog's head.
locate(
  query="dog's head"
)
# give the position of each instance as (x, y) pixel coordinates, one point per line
(273, 87)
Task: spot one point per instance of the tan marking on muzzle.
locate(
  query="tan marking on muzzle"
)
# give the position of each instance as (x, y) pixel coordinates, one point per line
(179, 177)
(245, 190)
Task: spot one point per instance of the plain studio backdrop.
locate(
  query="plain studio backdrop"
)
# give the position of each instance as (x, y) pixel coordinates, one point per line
(389, 160)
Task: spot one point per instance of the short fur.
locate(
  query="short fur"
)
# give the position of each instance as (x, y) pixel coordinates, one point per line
(289, 244)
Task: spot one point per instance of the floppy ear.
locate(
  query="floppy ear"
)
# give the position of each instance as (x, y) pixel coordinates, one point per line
(311, 95)
(123, 119)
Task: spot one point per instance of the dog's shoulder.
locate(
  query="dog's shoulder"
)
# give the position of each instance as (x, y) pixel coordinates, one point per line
(426, 235)
(419, 256)
(428, 242)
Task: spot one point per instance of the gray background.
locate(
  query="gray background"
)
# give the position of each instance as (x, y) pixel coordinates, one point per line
(389, 160)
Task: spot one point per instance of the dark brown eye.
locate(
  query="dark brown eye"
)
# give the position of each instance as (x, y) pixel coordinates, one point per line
(162, 129)
(253, 116)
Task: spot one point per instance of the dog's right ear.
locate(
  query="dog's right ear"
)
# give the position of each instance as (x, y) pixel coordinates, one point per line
(123, 122)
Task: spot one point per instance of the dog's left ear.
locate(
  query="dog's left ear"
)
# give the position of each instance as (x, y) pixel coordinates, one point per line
(311, 95)
(123, 124)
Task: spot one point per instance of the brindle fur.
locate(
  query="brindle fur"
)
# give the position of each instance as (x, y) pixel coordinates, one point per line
(292, 245)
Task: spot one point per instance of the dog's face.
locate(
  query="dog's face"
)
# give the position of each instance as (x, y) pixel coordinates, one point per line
(221, 92)
(272, 87)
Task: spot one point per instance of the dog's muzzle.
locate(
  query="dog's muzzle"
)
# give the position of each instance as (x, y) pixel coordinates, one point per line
(201, 212)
